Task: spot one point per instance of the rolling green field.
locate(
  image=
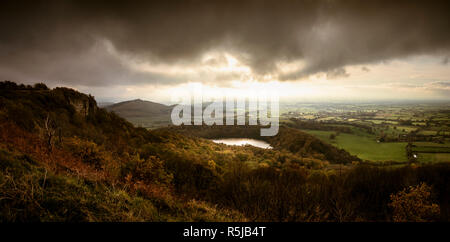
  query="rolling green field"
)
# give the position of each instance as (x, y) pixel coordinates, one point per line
(364, 146)
(433, 157)
(432, 152)
(407, 129)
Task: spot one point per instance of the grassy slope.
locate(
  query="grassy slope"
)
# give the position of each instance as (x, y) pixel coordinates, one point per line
(31, 193)
(41, 185)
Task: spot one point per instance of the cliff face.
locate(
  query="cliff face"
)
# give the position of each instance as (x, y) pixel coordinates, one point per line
(83, 106)
(82, 103)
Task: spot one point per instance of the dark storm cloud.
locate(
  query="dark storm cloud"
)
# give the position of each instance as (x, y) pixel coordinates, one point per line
(89, 66)
(58, 40)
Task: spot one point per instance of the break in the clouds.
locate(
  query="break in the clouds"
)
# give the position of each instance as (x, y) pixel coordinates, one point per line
(104, 43)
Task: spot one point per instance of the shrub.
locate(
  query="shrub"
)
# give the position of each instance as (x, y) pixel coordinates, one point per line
(88, 151)
(414, 204)
(150, 170)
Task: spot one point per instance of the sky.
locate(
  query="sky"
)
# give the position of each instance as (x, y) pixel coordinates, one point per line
(317, 50)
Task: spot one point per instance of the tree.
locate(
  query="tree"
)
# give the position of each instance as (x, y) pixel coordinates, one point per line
(50, 130)
(40, 86)
(414, 204)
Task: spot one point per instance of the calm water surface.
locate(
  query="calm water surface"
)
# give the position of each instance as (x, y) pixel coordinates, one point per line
(243, 141)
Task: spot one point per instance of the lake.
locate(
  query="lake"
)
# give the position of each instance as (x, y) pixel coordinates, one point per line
(243, 141)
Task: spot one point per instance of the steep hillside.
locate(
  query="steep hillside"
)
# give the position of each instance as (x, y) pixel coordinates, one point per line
(64, 159)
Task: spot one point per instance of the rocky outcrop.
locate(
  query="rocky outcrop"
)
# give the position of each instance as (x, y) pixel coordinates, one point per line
(83, 104)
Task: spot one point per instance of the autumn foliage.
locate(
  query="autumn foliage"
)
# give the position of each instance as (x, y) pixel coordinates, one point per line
(414, 204)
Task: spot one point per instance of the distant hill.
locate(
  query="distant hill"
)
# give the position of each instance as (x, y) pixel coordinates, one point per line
(139, 108)
(104, 104)
(142, 113)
